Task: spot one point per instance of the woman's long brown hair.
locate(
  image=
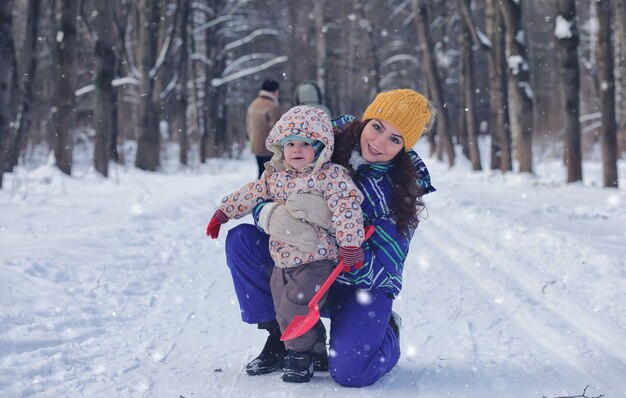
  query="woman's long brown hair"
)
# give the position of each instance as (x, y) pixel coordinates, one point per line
(407, 202)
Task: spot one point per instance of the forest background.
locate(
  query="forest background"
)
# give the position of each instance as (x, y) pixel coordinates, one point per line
(128, 78)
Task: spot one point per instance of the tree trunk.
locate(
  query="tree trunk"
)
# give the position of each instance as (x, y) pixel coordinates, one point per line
(607, 94)
(105, 108)
(493, 30)
(212, 97)
(149, 143)
(498, 91)
(567, 49)
(620, 35)
(292, 27)
(122, 14)
(372, 43)
(207, 144)
(27, 82)
(184, 78)
(435, 86)
(469, 94)
(198, 124)
(115, 153)
(7, 81)
(164, 65)
(462, 135)
(520, 92)
(320, 46)
(64, 117)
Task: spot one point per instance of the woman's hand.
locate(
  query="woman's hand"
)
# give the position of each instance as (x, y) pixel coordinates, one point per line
(310, 207)
(275, 220)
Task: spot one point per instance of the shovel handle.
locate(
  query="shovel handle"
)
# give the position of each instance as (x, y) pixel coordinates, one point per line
(325, 286)
(369, 230)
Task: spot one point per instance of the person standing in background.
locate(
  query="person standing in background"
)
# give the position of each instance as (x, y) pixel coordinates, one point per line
(261, 116)
(309, 93)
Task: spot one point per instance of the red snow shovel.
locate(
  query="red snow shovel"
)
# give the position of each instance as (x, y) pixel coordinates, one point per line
(300, 324)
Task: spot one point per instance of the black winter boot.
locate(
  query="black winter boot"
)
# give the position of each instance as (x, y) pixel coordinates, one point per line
(396, 323)
(320, 360)
(272, 357)
(320, 352)
(298, 367)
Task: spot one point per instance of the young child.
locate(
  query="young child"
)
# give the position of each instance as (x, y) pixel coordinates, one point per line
(302, 142)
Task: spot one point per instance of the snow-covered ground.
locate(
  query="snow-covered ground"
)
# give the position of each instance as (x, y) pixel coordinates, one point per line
(515, 287)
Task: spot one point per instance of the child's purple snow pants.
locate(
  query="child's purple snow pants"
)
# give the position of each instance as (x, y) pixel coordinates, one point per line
(363, 346)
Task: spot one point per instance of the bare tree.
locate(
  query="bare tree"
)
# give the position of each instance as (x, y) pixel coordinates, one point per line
(183, 72)
(64, 117)
(462, 130)
(434, 82)
(519, 90)
(27, 81)
(105, 106)
(372, 43)
(498, 91)
(8, 73)
(154, 42)
(166, 69)
(469, 43)
(566, 33)
(620, 35)
(320, 44)
(214, 107)
(338, 33)
(148, 26)
(126, 94)
(607, 93)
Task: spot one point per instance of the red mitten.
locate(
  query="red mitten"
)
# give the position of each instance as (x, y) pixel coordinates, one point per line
(352, 256)
(213, 229)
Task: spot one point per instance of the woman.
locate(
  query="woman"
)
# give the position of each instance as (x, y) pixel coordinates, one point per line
(364, 332)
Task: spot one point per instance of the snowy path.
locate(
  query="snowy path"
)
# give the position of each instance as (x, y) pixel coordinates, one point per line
(515, 287)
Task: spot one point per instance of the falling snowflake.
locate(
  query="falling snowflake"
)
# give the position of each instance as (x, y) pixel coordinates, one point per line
(364, 297)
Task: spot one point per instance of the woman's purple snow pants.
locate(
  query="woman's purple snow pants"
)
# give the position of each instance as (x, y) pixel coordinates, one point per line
(363, 347)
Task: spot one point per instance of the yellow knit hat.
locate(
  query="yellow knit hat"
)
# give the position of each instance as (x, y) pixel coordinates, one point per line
(406, 110)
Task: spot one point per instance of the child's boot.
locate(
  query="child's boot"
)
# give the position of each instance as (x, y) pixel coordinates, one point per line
(320, 360)
(272, 357)
(298, 367)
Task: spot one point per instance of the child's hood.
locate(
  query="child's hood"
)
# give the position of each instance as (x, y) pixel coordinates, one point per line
(302, 121)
